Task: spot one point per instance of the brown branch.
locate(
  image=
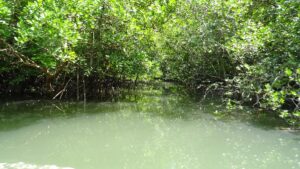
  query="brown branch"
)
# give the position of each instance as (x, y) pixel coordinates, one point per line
(59, 69)
(10, 51)
(62, 91)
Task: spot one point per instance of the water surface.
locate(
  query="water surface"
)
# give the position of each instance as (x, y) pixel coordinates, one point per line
(149, 130)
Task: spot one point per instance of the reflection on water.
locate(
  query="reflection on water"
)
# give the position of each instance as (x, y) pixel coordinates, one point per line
(21, 165)
(149, 129)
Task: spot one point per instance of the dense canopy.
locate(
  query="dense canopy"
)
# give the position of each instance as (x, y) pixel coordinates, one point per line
(248, 49)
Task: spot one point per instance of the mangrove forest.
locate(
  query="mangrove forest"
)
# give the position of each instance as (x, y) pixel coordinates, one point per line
(158, 84)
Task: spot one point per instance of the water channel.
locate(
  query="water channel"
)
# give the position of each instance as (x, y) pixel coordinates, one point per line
(150, 129)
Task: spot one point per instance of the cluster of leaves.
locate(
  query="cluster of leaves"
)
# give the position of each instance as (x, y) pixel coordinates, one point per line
(4, 18)
(267, 74)
(249, 47)
(97, 37)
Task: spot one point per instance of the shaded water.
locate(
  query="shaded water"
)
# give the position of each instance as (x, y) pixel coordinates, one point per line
(150, 129)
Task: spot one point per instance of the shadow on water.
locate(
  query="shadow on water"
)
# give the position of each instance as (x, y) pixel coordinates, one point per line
(18, 114)
(14, 115)
(166, 101)
(247, 115)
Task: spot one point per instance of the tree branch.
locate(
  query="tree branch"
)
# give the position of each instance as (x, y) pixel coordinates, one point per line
(10, 51)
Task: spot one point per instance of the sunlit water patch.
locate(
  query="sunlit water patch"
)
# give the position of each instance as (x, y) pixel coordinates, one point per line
(21, 165)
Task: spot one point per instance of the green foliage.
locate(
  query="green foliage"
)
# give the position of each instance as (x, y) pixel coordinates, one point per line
(4, 18)
(249, 48)
(50, 30)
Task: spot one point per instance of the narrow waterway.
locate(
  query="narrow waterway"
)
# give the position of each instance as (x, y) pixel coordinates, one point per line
(151, 129)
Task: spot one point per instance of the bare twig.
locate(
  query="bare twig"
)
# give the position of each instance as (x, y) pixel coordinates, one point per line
(60, 93)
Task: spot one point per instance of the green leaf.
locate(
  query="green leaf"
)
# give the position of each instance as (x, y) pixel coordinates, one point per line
(297, 113)
(298, 71)
(288, 72)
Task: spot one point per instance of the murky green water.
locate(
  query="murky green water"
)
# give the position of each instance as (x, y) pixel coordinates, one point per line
(149, 130)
